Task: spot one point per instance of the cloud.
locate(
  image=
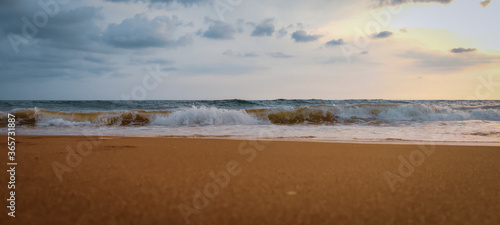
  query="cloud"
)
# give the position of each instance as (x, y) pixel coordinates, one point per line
(302, 36)
(240, 23)
(66, 46)
(240, 54)
(485, 3)
(219, 30)
(266, 28)
(399, 2)
(41, 62)
(220, 69)
(334, 60)
(162, 62)
(381, 35)
(140, 32)
(335, 42)
(440, 62)
(282, 32)
(169, 69)
(250, 54)
(279, 55)
(462, 50)
(73, 28)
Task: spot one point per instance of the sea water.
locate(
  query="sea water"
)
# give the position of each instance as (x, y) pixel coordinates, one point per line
(443, 121)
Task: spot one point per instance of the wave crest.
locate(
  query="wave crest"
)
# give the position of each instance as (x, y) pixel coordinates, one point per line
(206, 116)
(285, 115)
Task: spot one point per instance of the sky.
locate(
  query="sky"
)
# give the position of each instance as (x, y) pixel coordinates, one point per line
(249, 49)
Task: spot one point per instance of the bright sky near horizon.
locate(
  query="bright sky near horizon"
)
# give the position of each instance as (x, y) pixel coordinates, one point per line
(227, 49)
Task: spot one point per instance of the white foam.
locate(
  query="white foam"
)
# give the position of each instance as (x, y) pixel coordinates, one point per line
(58, 122)
(416, 112)
(205, 116)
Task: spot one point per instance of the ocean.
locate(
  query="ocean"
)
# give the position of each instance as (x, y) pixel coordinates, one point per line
(401, 121)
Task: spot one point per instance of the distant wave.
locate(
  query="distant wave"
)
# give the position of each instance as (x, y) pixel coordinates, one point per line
(492, 133)
(372, 113)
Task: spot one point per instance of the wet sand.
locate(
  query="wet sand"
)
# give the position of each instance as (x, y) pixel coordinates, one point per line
(88, 180)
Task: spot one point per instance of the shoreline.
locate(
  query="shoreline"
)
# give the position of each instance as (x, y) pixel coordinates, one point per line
(286, 139)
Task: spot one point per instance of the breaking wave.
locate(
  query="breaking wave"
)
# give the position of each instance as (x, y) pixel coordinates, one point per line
(205, 116)
(285, 115)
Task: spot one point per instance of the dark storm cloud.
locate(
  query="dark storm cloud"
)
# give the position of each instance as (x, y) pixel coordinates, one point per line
(39, 63)
(47, 39)
(302, 36)
(383, 34)
(49, 23)
(399, 2)
(335, 42)
(462, 50)
(140, 32)
(219, 30)
(266, 28)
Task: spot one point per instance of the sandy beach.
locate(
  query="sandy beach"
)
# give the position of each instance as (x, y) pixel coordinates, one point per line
(128, 180)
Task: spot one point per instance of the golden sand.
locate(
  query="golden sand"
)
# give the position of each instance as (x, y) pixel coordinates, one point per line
(173, 180)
